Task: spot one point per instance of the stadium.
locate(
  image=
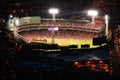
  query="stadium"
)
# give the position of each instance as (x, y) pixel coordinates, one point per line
(64, 32)
(78, 43)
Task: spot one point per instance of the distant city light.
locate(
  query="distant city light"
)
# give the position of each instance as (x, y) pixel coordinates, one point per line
(10, 16)
(22, 10)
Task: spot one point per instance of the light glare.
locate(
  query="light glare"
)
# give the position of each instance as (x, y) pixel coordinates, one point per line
(93, 12)
(53, 11)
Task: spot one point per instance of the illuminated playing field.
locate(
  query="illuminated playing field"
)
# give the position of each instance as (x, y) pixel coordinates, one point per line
(67, 42)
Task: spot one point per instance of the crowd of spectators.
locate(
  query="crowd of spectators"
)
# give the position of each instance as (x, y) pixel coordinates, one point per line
(65, 24)
(60, 34)
(67, 29)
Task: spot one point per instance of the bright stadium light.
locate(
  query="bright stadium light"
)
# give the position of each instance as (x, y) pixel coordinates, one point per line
(53, 11)
(93, 14)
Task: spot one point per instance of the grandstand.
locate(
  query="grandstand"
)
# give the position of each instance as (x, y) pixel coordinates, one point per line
(69, 31)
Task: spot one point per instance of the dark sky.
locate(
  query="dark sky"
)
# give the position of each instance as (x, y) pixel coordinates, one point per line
(9, 4)
(6, 5)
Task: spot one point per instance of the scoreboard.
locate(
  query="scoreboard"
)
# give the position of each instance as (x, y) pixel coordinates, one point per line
(30, 20)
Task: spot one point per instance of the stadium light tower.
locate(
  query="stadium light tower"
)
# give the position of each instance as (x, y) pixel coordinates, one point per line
(93, 14)
(106, 22)
(53, 11)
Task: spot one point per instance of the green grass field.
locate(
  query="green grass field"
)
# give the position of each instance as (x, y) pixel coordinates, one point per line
(67, 42)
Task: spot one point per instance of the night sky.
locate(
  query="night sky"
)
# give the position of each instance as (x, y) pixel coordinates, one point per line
(19, 7)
